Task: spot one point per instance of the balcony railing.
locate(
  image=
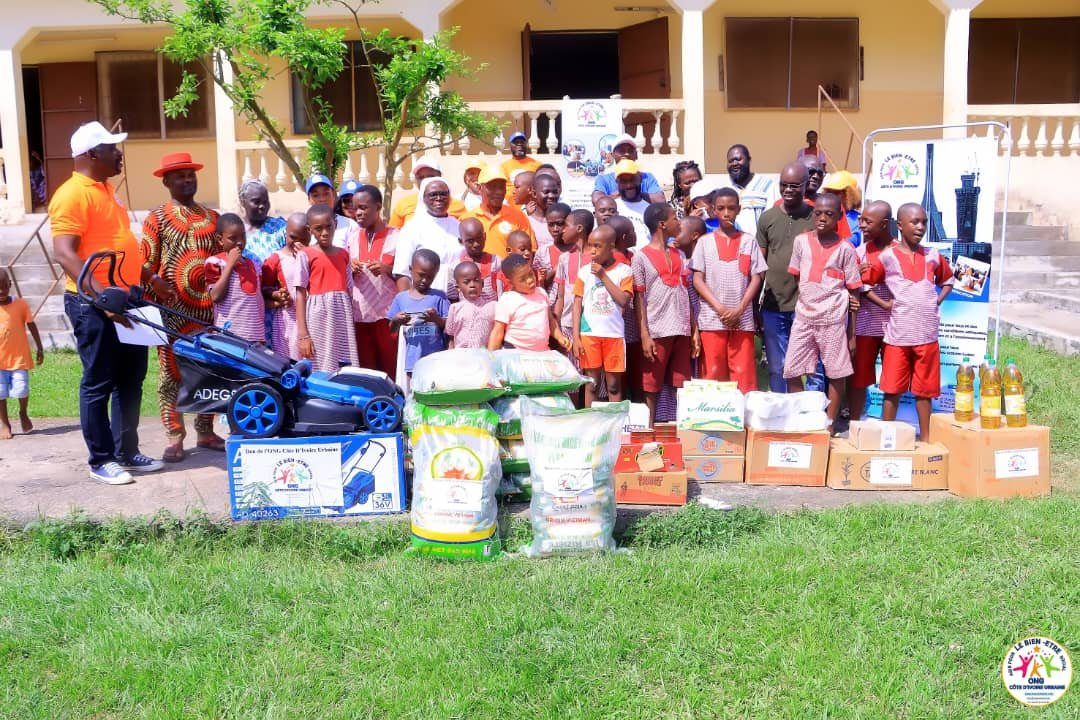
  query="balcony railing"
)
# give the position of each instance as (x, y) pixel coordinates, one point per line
(655, 125)
(1035, 129)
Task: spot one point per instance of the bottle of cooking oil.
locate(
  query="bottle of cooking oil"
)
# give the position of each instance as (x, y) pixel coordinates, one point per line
(964, 405)
(987, 359)
(1015, 406)
(990, 398)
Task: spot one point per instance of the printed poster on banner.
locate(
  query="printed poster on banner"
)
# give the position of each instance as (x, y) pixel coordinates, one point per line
(335, 476)
(956, 183)
(589, 130)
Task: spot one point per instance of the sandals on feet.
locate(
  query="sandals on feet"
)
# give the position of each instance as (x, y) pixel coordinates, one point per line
(211, 442)
(173, 453)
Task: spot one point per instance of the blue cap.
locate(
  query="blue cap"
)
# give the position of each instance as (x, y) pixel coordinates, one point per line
(349, 187)
(518, 136)
(317, 180)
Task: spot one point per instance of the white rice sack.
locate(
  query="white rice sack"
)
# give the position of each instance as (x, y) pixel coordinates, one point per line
(462, 374)
(572, 456)
(808, 421)
(536, 373)
(456, 472)
(508, 408)
(809, 401)
(766, 404)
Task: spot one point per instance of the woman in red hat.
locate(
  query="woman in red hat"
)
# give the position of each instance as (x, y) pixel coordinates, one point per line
(178, 237)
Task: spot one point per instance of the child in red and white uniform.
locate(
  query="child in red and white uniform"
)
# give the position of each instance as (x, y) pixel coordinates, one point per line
(556, 217)
(920, 279)
(728, 272)
(234, 284)
(829, 284)
(330, 311)
(668, 331)
(371, 253)
(473, 239)
(285, 272)
(601, 292)
(871, 318)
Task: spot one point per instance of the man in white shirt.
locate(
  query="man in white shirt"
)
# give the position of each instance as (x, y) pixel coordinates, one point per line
(631, 202)
(756, 194)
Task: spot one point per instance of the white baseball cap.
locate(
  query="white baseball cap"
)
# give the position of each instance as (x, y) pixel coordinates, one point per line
(426, 162)
(624, 139)
(92, 134)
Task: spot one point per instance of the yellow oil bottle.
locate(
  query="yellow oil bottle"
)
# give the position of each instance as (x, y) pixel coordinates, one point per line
(964, 405)
(1015, 406)
(990, 398)
(987, 360)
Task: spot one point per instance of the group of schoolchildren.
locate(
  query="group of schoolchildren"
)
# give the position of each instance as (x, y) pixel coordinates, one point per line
(639, 316)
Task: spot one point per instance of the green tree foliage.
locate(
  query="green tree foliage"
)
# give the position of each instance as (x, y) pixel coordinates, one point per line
(235, 41)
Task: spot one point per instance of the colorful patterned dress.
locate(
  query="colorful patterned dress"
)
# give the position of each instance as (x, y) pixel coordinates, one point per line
(176, 242)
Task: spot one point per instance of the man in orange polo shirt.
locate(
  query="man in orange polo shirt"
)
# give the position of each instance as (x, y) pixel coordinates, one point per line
(86, 218)
(404, 208)
(519, 157)
(497, 216)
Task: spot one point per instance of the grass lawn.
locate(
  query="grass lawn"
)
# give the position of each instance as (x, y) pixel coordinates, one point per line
(54, 387)
(870, 612)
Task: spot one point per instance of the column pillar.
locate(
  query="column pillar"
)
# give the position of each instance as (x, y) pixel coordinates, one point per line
(955, 63)
(693, 76)
(225, 132)
(13, 139)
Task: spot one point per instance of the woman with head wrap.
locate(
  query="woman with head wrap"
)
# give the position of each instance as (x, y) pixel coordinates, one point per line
(265, 234)
(433, 228)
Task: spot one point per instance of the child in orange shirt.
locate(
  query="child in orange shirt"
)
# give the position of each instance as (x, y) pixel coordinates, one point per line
(15, 362)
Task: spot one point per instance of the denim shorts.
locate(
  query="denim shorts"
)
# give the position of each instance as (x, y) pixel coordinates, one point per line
(14, 384)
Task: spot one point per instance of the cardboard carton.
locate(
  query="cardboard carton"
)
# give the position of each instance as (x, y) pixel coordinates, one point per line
(715, 468)
(666, 432)
(709, 409)
(994, 463)
(926, 467)
(713, 442)
(881, 435)
(637, 427)
(782, 458)
(650, 474)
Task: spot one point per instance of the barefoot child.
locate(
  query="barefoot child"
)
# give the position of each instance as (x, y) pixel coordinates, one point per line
(523, 316)
(920, 279)
(234, 283)
(829, 284)
(470, 320)
(472, 237)
(15, 356)
(286, 273)
(420, 312)
(601, 291)
(329, 303)
(728, 272)
(668, 332)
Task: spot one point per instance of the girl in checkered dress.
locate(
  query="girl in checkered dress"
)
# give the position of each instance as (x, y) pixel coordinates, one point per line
(234, 284)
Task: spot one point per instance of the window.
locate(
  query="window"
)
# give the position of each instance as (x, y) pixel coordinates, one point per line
(132, 87)
(1024, 61)
(352, 97)
(778, 62)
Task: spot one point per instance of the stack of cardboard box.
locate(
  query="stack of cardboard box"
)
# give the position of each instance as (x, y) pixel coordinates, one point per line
(651, 473)
(711, 430)
(878, 455)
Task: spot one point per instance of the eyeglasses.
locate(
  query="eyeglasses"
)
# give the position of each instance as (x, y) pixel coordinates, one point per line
(791, 186)
(815, 172)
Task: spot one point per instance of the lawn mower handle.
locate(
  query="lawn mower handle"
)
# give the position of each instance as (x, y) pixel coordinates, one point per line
(90, 266)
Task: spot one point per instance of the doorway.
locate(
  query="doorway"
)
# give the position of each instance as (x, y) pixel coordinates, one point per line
(35, 140)
(632, 61)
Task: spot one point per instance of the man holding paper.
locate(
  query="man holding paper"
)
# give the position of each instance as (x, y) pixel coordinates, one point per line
(86, 218)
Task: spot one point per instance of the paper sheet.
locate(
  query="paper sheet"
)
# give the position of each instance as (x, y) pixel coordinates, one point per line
(139, 334)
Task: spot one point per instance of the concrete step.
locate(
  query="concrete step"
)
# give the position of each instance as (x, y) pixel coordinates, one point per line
(1068, 300)
(1036, 280)
(1042, 233)
(1053, 328)
(1041, 263)
(1037, 248)
(1013, 217)
(36, 286)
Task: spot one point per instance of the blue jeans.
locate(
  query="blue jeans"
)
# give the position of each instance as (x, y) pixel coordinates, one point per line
(112, 372)
(777, 331)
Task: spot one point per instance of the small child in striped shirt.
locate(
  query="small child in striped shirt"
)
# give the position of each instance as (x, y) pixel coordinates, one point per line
(471, 319)
(234, 283)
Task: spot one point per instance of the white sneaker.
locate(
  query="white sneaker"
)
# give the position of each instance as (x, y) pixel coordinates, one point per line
(110, 474)
(140, 463)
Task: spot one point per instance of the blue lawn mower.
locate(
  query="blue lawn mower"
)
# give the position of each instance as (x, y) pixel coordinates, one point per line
(262, 394)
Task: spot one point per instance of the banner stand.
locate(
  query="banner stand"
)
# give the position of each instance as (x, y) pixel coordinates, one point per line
(1004, 134)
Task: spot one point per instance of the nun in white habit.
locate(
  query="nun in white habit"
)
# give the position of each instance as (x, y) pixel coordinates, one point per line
(430, 227)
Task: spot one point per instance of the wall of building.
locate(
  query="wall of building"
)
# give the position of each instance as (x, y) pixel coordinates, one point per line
(902, 84)
(1026, 8)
